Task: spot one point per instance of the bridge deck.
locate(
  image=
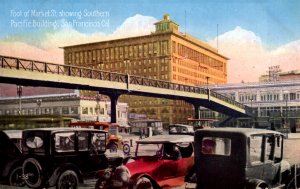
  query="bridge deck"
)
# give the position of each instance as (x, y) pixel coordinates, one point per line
(36, 73)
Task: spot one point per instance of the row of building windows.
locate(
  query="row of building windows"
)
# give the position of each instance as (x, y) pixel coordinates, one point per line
(39, 111)
(246, 98)
(158, 102)
(267, 97)
(119, 53)
(284, 111)
(92, 111)
(189, 53)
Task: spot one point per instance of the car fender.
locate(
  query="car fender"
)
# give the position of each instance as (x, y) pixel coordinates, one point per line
(10, 166)
(56, 173)
(254, 183)
(284, 166)
(136, 177)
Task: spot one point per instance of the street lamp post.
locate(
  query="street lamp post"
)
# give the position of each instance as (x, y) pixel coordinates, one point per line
(39, 103)
(98, 106)
(251, 100)
(207, 87)
(127, 61)
(19, 92)
(286, 97)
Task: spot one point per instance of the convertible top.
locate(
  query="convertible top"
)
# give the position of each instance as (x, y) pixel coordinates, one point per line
(13, 134)
(167, 139)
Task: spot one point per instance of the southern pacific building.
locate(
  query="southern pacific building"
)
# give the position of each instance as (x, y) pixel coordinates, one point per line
(165, 54)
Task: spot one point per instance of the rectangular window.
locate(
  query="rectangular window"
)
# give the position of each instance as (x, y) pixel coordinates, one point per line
(216, 146)
(64, 142)
(85, 110)
(98, 141)
(56, 110)
(83, 141)
(65, 110)
(256, 149)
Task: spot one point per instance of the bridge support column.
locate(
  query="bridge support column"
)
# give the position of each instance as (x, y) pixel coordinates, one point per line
(197, 111)
(113, 107)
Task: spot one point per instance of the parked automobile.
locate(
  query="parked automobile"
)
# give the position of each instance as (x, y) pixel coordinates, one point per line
(115, 132)
(11, 158)
(242, 158)
(161, 161)
(180, 129)
(62, 157)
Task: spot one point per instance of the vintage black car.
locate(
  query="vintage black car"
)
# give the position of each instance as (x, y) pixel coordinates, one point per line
(62, 157)
(180, 129)
(242, 158)
(11, 158)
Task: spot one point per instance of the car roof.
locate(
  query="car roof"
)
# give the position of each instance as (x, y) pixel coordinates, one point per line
(244, 131)
(167, 139)
(181, 125)
(54, 129)
(13, 134)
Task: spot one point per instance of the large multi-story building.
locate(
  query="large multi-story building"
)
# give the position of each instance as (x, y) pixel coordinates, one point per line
(165, 54)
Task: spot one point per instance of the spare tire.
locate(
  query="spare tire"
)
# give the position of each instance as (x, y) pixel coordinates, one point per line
(32, 171)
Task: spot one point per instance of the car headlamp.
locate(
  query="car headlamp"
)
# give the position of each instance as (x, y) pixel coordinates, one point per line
(123, 174)
(107, 174)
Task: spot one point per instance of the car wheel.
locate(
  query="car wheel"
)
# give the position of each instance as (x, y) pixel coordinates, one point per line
(126, 148)
(143, 183)
(262, 187)
(15, 177)
(32, 171)
(101, 183)
(113, 148)
(67, 180)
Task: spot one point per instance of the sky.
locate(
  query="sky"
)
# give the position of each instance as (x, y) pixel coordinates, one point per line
(253, 34)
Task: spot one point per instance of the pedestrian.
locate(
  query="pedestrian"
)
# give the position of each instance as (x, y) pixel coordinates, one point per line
(141, 133)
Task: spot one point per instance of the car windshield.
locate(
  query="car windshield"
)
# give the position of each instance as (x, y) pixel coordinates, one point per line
(149, 149)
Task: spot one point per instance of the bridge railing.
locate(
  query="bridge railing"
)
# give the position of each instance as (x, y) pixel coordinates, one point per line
(76, 71)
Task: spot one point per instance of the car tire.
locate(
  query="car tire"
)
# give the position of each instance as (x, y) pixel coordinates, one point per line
(15, 177)
(67, 180)
(126, 148)
(101, 183)
(143, 183)
(32, 168)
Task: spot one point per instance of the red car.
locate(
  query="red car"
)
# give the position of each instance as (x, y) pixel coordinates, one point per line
(160, 161)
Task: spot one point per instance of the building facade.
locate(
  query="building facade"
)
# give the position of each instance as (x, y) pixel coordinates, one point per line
(275, 74)
(67, 105)
(278, 100)
(165, 54)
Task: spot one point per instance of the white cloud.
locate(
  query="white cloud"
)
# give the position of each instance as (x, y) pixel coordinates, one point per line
(249, 59)
(47, 49)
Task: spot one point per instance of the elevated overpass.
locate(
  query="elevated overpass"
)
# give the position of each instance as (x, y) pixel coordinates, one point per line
(35, 73)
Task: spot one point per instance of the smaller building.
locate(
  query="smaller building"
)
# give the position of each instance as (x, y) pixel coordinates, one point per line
(275, 104)
(71, 105)
(275, 74)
